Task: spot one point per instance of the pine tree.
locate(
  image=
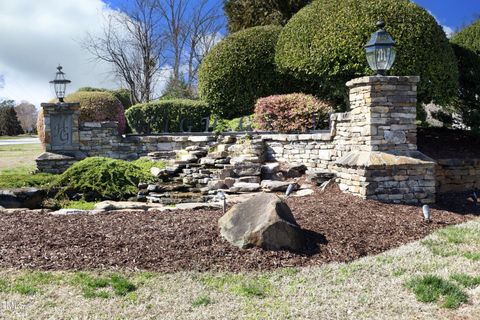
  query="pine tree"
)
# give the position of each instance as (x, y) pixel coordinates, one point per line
(9, 124)
(244, 14)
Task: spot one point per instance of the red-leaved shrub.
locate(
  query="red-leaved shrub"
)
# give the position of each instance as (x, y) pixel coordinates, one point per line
(296, 112)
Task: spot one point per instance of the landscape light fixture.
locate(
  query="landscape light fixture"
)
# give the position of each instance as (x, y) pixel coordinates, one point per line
(60, 84)
(380, 50)
(222, 196)
(426, 213)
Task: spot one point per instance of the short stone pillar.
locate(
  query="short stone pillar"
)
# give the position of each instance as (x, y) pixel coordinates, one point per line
(383, 162)
(62, 137)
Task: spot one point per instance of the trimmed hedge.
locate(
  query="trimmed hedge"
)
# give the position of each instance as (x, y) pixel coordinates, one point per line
(468, 101)
(469, 37)
(295, 112)
(99, 106)
(466, 45)
(239, 70)
(322, 46)
(243, 14)
(153, 117)
(104, 178)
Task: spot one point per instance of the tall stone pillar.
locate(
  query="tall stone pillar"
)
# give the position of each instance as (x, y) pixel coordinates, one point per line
(383, 162)
(62, 137)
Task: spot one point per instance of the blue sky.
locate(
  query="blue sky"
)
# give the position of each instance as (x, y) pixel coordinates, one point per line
(452, 13)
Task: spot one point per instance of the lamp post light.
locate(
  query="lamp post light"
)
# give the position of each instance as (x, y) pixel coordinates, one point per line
(380, 50)
(60, 84)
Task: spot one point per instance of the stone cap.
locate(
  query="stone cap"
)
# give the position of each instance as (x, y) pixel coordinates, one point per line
(61, 105)
(382, 159)
(382, 79)
(49, 156)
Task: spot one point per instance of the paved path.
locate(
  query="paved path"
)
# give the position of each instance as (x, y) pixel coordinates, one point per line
(11, 142)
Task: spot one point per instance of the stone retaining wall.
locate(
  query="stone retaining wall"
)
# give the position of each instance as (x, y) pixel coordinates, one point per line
(457, 175)
(371, 148)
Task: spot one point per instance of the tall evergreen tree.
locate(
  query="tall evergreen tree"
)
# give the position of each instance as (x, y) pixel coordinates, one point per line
(244, 14)
(9, 124)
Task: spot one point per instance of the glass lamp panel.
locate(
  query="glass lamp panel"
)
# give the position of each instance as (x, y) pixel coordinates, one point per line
(370, 53)
(381, 58)
(392, 56)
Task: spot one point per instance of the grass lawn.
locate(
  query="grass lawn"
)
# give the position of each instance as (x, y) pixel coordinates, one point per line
(20, 157)
(415, 281)
(22, 136)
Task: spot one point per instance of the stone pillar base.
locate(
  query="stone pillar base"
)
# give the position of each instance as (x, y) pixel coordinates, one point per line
(407, 178)
(56, 163)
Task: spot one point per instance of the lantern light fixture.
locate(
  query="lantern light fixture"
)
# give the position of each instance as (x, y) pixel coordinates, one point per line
(380, 50)
(60, 84)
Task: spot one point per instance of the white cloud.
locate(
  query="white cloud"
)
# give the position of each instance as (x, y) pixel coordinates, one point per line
(448, 30)
(35, 36)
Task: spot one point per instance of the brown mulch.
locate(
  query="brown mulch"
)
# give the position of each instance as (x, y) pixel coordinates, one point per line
(443, 143)
(345, 228)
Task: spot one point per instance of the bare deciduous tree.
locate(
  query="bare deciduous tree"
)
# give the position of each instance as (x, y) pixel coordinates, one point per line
(155, 35)
(132, 43)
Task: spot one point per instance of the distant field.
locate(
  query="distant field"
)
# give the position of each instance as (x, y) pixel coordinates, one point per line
(20, 157)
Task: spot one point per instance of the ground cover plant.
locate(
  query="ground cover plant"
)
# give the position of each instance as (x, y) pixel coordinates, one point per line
(104, 178)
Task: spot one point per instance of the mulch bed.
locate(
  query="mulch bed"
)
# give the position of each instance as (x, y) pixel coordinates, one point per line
(345, 226)
(442, 143)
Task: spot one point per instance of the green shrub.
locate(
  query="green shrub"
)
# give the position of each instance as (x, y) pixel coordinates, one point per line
(292, 113)
(242, 14)
(102, 178)
(239, 70)
(158, 115)
(466, 45)
(99, 106)
(469, 37)
(322, 47)
(237, 124)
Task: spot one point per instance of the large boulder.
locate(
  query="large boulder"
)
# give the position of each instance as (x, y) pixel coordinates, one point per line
(264, 221)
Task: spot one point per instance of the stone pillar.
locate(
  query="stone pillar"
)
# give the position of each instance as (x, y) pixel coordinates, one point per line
(383, 113)
(62, 137)
(383, 162)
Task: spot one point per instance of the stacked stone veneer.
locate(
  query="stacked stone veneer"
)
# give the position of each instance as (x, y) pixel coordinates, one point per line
(457, 175)
(371, 148)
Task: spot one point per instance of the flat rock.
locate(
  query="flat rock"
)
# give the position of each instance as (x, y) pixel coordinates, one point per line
(157, 172)
(264, 221)
(65, 212)
(304, 193)
(247, 169)
(250, 179)
(273, 186)
(245, 187)
(121, 205)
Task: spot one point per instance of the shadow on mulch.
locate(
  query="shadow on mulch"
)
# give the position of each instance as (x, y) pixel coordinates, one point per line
(341, 227)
